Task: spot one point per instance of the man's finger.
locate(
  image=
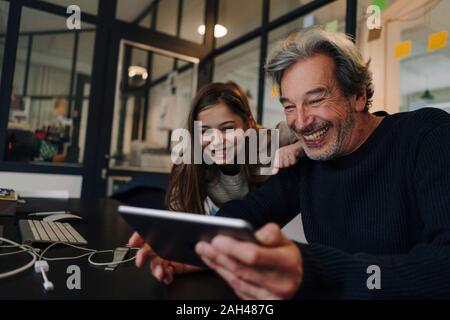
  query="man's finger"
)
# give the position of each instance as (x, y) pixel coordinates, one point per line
(252, 275)
(243, 271)
(205, 250)
(245, 252)
(215, 267)
(255, 276)
(242, 288)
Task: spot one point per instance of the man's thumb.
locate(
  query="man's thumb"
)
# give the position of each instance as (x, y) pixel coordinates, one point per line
(270, 235)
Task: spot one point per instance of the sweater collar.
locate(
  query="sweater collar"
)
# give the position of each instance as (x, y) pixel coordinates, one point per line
(365, 149)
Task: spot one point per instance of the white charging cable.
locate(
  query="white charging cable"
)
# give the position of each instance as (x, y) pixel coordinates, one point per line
(40, 262)
(109, 263)
(89, 251)
(90, 254)
(39, 266)
(24, 248)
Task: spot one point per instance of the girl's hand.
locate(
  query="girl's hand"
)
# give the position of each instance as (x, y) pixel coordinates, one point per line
(288, 156)
(163, 270)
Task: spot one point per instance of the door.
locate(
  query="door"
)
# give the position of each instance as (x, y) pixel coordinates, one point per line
(150, 81)
(154, 89)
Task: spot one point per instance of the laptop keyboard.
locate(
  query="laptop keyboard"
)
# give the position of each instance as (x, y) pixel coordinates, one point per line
(39, 231)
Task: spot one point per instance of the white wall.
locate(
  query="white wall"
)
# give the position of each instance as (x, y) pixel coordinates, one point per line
(294, 230)
(394, 78)
(27, 183)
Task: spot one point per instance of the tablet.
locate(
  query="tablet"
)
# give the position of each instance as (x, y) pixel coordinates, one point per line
(173, 235)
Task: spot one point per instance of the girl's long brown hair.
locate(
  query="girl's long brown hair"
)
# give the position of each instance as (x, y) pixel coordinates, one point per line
(187, 183)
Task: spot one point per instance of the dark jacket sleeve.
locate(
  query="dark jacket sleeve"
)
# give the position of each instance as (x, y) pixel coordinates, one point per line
(276, 201)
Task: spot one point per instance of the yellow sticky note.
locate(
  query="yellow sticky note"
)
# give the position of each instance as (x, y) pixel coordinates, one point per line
(437, 40)
(274, 90)
(403, 49)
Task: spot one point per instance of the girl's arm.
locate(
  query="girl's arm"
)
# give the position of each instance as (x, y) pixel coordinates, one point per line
(290, 147)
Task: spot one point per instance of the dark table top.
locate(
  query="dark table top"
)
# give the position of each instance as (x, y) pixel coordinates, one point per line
(104, 229)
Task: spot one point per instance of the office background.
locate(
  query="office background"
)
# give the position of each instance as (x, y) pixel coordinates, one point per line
(86, 110)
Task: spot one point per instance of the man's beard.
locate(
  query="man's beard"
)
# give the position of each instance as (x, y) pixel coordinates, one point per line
(332, 147)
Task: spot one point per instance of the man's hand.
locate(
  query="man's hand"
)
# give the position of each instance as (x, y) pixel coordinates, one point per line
(163, 270)
(272, 270)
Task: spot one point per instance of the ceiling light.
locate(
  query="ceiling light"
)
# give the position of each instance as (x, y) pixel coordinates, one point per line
(219, 30)
(137, 71)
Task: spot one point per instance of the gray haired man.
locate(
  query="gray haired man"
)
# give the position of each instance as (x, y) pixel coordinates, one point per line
(374, 190)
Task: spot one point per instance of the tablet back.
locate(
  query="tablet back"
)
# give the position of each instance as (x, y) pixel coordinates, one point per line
(173, 235)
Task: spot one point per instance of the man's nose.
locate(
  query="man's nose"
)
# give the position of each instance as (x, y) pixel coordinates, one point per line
(303, 119)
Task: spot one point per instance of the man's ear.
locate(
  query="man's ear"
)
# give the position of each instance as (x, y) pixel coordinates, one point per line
(360, 101)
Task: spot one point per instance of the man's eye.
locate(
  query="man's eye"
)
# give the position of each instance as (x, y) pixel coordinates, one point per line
(315, 101)
(289, 108)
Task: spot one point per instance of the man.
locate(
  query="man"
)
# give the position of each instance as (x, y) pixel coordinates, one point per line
(373, 191)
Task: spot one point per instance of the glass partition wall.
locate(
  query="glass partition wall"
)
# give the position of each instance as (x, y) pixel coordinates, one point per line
(153, 94)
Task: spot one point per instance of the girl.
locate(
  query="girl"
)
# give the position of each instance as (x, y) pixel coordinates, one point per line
(203, 188)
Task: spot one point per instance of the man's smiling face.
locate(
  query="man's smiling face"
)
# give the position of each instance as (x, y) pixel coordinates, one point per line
(316, 109)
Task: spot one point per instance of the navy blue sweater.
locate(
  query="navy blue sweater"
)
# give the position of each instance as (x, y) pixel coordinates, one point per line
(386, 204)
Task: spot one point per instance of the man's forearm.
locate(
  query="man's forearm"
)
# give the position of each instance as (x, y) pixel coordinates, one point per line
(276, 201)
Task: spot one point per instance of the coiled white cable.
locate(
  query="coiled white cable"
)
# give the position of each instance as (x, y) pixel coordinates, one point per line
(38, 257)
(109, 263)
(24, 248)
(90, 253)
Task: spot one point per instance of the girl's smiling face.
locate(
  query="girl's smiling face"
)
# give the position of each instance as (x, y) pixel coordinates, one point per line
(220, 118)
